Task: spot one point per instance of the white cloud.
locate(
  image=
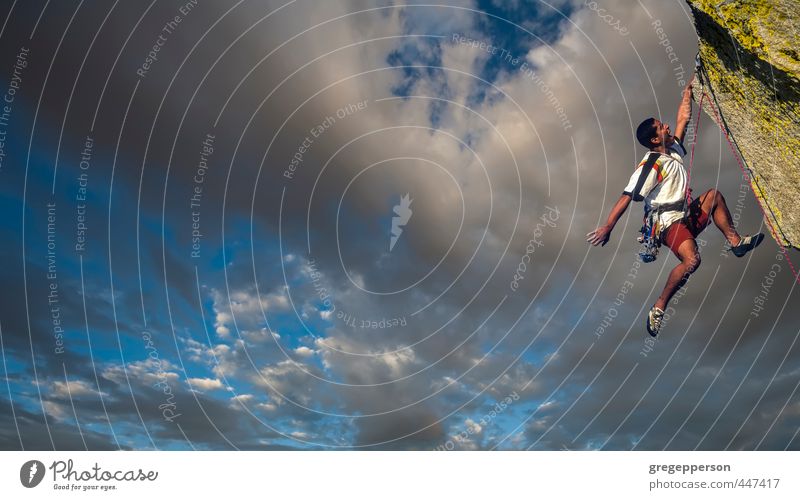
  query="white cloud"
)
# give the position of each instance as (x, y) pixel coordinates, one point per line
(56, 410)
(245, 309)
(241, 399)
(268, 407)
(205, 384)
(304, 351)
(75, 389)
(149, 372)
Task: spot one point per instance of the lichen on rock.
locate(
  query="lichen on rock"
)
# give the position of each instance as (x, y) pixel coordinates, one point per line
(749, 54)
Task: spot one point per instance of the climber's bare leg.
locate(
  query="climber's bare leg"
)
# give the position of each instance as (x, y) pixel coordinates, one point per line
(690, 261)
(713, 203)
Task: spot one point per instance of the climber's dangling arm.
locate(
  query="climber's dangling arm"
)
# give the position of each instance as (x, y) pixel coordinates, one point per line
(684, 113)
(601, 235)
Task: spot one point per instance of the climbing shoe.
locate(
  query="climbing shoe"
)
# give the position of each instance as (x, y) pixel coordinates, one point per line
(654, 318)
(746, 244)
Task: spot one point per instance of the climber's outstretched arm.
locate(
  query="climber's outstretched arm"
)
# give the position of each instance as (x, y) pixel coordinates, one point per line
(600, 235)
(684, 113)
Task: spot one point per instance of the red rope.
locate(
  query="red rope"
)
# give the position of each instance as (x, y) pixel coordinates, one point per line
(750, 180)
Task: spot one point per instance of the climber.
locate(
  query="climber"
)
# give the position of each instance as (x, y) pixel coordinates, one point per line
(664, 190)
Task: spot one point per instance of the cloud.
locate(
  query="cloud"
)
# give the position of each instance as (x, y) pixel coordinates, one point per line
(73, 388)
(244, 307)
(205, 384)
(323, 336)
(304, 351)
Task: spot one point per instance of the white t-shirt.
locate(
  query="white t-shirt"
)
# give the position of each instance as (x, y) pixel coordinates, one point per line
(665, 184)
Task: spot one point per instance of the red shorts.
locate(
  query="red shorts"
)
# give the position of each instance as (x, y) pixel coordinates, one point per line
(682, 230)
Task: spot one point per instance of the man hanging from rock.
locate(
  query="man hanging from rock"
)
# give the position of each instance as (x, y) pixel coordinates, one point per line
(660, 180)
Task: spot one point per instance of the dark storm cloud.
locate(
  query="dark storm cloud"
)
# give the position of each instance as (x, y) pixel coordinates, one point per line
(25, 430)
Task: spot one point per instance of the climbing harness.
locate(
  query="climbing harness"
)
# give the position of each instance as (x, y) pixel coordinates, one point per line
(652, 229)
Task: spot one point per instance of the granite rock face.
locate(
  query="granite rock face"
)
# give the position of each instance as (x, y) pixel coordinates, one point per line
(751, 56)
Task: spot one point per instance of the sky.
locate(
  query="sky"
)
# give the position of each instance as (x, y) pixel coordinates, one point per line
(361, 225)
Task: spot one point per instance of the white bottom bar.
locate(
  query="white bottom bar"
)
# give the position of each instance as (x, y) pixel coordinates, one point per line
(401, 475)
